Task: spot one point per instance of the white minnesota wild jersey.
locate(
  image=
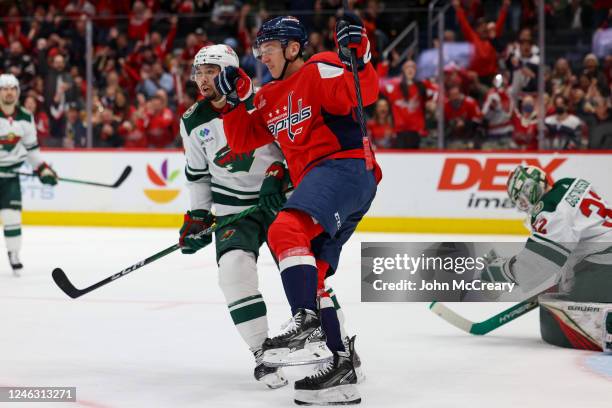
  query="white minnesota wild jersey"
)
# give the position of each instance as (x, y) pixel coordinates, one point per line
(571, 223)
(216, 175)
(17, 138)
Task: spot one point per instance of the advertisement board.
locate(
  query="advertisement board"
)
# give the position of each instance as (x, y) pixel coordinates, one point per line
(460, 192)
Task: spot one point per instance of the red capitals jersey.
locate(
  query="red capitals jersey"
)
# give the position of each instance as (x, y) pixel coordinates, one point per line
(408, 112)
(309, 114)
(467, 110)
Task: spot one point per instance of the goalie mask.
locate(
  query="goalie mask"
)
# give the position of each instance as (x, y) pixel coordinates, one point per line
(219, 54)
(525, 186)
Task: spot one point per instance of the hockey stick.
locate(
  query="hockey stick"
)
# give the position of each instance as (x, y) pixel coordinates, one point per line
(120, 180)
(62, 281)
(490, 324)
(360, 115)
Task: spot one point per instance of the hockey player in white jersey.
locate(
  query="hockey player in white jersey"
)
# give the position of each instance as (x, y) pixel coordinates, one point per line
(569, 221)
(18, 143)
(568, 255)
(231, 183)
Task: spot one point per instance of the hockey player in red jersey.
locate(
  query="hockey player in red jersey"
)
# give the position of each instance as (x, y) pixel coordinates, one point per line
(308, 111)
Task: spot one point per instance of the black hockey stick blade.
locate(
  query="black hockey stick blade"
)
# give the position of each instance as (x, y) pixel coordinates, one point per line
(124, 175)
(61, 280)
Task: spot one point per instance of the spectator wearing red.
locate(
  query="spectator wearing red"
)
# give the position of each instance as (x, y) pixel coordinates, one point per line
(133, 131)
(463, 120)
(525, 125)
(369, 23)
(484, 62)
(380, 127)
(408, 98)
(12, 30)
(162, 47)
(193, 43)
(160, 121)
(41, 119)
(139, 21)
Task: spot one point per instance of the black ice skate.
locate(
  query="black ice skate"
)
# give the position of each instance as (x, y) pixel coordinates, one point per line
(349, 344)
(273, 377)
(16, 264)
(333, 384)
(302, 342)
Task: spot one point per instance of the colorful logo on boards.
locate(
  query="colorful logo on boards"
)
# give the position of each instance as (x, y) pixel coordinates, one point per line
(163, 194)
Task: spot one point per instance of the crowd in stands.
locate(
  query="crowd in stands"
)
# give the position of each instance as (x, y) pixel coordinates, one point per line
(143, 50)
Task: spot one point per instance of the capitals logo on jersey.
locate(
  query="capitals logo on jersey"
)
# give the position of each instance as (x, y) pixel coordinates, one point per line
(289, 118)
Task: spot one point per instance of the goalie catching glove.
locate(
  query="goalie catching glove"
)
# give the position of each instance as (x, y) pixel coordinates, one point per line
(271, 195)
(46, 174)
(232, 79)
(350, 33)
(194, 222)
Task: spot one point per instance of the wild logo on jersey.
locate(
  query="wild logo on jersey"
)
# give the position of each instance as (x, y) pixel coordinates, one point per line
(9, 141)
(289, 118)
(234, 162)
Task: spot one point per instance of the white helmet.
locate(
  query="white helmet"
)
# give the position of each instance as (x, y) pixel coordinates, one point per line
(9, 81)
(219, 54)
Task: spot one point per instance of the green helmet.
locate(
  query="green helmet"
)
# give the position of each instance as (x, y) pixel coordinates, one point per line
(525, 186)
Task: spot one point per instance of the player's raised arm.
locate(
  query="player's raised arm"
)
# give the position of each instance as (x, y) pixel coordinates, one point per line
(338, 92)
(245, 130)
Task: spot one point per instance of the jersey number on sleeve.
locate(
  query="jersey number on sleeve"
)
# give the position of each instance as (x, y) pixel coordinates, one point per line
(602, 211)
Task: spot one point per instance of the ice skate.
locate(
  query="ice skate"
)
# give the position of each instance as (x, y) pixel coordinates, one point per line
(334, 384)
(302, 342)
(349, 344)
(273, 377)
(16, 264)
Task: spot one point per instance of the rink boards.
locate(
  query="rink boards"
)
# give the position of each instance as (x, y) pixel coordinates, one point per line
(434, 192)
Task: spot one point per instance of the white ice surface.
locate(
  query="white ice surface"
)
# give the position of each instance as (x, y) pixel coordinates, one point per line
(162, 336)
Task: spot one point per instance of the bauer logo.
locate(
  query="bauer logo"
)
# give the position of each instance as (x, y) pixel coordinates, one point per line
(163, 194)
(489, 174)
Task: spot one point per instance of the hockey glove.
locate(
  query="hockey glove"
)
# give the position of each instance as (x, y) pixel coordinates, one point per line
(350, 33)
(232, 79)
(46, 174)
(271, 195)
(194, 222)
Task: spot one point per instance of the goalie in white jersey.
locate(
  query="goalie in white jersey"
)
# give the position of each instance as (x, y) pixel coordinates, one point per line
(570, 223)
(568, 254)
(231, 183)
(18, 143)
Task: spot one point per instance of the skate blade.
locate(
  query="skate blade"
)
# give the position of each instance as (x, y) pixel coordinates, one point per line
(16, 273)
(339, 395)
(274, 381)
(312, 353)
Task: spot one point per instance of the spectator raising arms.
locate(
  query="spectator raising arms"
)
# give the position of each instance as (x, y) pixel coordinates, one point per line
(564, 130)
(408, 98)
(484, 62)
